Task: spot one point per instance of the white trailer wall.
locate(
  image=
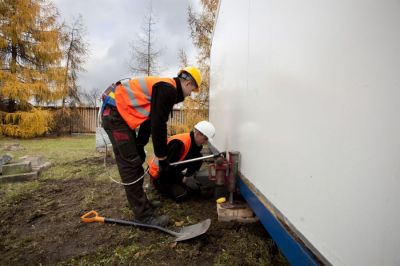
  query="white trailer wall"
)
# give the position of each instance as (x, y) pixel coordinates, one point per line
(309, 93)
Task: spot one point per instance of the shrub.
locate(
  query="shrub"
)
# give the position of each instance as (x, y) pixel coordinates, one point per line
(25, 124)
(65, 120)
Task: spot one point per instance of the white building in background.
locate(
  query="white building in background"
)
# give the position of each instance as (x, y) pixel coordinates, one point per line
(309, 93)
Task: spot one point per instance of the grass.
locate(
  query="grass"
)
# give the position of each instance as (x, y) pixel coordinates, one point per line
(60, 152)
(56, 150)
(63, 153)
(41, 217)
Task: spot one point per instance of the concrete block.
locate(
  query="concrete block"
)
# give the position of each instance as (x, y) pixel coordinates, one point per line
(110, 152)
(5, 159)
(18, 177)
(237, 212)
(16, 168)
(42, 167)
(36, 161)
(101, 138)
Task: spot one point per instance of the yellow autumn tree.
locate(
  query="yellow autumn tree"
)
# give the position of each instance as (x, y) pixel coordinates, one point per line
(201, 28)
(30, 58)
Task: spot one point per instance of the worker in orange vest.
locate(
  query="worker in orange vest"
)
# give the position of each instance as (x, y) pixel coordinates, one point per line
(132, 110)
(177, 181)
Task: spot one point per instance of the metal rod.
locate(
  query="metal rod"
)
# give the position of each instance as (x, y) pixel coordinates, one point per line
(197, 159)
(231, 201)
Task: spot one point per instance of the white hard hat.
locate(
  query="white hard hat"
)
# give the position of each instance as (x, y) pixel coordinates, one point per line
(206, 128)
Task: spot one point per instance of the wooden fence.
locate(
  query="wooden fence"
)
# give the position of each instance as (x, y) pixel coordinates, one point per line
(89, 119)
(179, 117)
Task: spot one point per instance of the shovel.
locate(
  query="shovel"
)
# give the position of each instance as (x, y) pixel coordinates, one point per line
(184, 233)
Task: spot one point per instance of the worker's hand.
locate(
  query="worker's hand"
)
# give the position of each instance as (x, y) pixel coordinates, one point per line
(165, 167)
(191, 182)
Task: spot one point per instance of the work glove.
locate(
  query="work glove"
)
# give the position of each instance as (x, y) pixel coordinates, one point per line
(164, 167)
(191, 182)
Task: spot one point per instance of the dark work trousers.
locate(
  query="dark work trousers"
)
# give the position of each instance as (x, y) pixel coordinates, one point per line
(170, 183)
(123, 140)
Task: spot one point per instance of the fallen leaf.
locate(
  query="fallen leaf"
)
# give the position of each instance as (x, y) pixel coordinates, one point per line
(179, 224)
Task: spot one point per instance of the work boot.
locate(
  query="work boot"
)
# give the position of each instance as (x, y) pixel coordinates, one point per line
(179, 192)
(161, 220)
(155, 203)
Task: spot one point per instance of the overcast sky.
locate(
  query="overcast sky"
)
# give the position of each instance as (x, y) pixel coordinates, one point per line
(113, 24)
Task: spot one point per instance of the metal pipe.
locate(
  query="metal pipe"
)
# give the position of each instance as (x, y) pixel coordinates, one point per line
(199, 158)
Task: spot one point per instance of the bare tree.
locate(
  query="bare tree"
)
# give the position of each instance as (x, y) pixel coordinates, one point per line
(143, 51)
(183, 58)
(91, 97)
(76, 51)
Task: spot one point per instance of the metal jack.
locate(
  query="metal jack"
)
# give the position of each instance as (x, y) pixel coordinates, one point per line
(233, 173)
(226, 172)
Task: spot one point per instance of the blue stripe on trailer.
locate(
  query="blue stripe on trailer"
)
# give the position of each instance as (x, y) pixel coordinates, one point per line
(294, 252)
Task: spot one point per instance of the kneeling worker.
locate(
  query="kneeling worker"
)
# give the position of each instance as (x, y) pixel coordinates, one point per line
(172, 180)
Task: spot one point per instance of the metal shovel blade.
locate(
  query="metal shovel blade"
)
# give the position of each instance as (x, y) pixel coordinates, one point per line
(192, 231)
(183, 233)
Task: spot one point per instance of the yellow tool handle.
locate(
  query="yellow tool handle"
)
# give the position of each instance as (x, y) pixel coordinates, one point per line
(91, 217)
(221, 200)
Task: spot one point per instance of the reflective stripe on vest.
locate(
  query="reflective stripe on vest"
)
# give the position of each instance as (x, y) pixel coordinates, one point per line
(133, 98)
(153, 162)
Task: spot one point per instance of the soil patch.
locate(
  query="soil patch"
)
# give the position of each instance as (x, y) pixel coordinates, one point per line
(43, 227)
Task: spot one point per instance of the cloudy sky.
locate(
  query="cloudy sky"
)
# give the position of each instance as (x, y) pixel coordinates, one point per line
(112, 25)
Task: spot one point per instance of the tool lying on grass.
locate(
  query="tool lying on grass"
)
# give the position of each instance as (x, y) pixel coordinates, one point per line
(184, 233)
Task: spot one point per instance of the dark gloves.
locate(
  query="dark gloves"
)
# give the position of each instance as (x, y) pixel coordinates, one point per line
(165, 167)
(191, 182)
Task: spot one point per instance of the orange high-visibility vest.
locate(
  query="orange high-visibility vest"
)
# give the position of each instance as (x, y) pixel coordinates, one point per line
(153, 163)
(133, 98)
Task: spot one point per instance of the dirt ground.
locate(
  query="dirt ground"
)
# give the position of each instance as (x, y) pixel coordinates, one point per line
(41, 226)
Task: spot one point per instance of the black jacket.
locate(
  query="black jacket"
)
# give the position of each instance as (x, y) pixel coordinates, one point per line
(175, 151)
(163, 98)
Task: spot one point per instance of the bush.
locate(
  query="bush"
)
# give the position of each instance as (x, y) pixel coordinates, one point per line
(25, 124)
(65, 120)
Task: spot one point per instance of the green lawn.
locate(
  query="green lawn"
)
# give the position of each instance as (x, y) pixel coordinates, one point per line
(40, 225)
